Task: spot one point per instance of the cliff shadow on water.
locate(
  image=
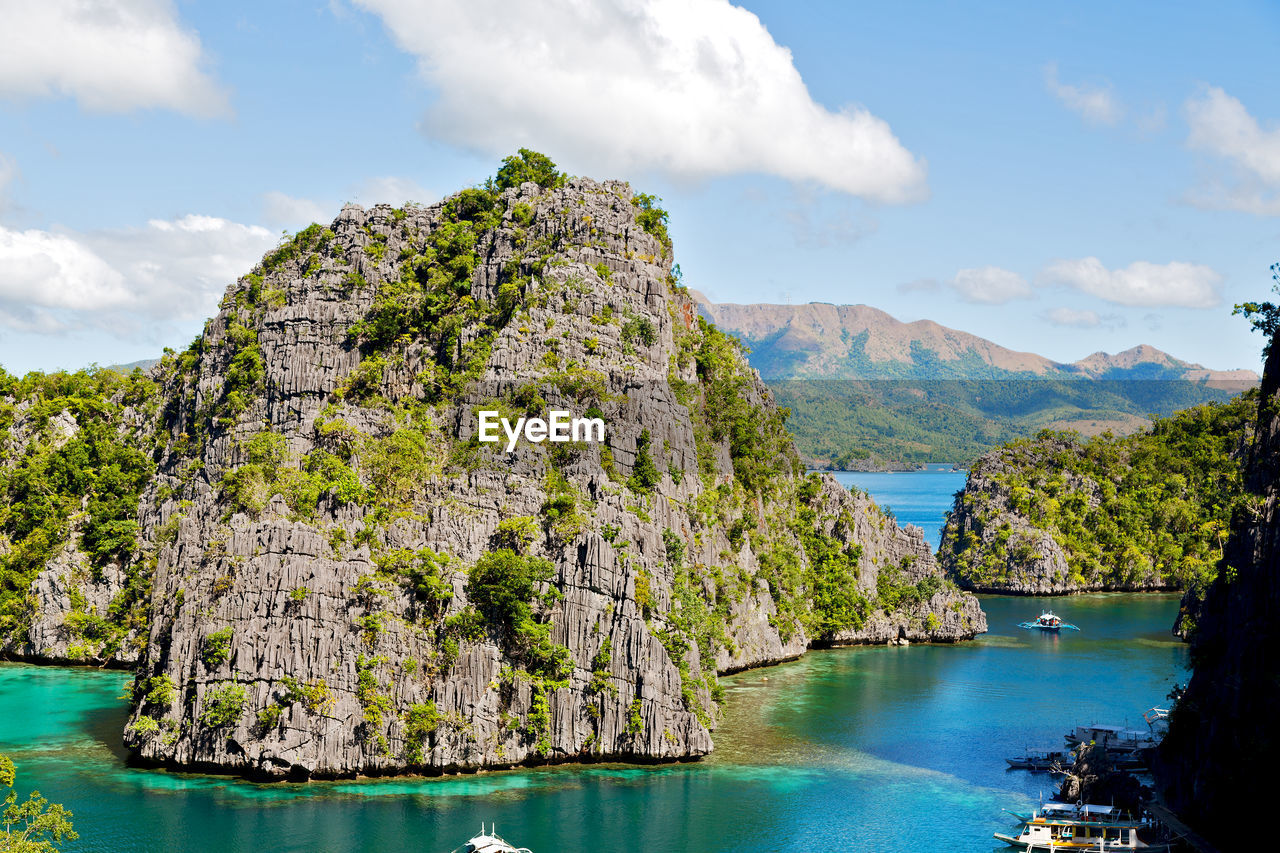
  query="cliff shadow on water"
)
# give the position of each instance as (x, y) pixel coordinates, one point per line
(322, 570)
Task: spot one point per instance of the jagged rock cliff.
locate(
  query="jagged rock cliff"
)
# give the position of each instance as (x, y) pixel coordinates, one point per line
(342, 579)
(349, 582)
(1222, 745)
(1061, 514)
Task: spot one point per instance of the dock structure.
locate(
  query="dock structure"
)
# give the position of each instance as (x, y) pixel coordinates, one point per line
(1185, 833)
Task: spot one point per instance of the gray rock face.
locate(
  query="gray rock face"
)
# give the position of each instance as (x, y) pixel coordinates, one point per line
(1221, 738)
(290, 635)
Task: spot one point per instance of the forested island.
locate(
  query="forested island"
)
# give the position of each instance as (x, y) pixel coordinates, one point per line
(1062, 513)
(292, 533)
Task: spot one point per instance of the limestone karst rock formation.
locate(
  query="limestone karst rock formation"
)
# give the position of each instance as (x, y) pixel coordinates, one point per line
(346, 581)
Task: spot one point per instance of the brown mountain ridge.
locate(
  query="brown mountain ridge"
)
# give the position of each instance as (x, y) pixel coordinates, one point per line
(819, 340)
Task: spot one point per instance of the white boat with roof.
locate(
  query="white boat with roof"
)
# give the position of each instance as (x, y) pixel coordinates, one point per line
(489, 842)
(1118, 740)
(1048, 621)
(1085, 827)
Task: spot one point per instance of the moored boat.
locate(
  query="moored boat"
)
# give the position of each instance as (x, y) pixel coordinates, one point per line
(1040, 762)
(1116, 740)
(1085, 827)
(489, 842)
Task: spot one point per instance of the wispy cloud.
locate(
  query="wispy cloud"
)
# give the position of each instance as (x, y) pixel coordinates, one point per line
(990, 285)
(1082, 319)
(110, 55)
(919, 285)
(286, 211)
(1175, 284)
(1095, 104)
(691, 88)
(391, 190)
(1249, 179)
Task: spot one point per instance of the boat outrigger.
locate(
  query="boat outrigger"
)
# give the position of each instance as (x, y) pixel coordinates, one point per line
(1050, 761)
(489, 842)
(1041, 762)
(1063, 826)
(1047, 621)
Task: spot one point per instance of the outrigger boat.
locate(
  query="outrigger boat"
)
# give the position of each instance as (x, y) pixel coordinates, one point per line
(1062, 826)
(1040, 762)
(1049, 761)
(1047, 621)
(489, 842)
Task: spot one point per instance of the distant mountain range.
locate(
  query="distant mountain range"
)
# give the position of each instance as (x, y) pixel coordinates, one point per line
(824, 341)
(867, 391)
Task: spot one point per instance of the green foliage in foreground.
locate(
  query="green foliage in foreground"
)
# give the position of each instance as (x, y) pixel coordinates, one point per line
(1152, 508)
(33, 826)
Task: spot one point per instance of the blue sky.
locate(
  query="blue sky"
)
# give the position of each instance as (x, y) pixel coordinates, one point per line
(1059, 179)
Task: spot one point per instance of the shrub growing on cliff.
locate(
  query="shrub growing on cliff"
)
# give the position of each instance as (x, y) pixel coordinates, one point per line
(419, 722)
(224, 706)
(216, 648)
(644, 474)
(501, 585)
(651, 217)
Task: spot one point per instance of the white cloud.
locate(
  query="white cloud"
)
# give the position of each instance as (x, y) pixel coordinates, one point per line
(1141, 283)
(693, 88)
(285, 210)
(391, 190)
(110, 55)
(990, 285)
(1082, 319)
(1221, 126)
(132, 282)
(1095, 104)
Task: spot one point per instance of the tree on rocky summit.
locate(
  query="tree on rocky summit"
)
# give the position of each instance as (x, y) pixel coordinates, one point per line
(528, 166)
(1265, 316)
(35, 826)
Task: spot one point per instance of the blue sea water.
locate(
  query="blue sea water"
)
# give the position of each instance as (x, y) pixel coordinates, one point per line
(868, 749)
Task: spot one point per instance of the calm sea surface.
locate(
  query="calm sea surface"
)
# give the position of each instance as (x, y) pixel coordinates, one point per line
(868, 749)
(921, 498)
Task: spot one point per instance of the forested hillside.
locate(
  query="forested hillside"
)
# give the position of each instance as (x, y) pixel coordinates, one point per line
(1059, 513)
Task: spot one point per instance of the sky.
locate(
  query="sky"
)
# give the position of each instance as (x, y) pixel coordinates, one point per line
(1058, 178)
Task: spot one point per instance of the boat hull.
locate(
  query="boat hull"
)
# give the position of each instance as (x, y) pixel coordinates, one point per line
(1090, 845)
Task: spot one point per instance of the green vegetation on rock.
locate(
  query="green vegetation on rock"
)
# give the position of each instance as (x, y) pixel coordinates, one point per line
(1149, 510)
(72, 473)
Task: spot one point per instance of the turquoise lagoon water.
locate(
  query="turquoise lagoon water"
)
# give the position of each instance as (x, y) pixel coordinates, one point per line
(869, 749)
